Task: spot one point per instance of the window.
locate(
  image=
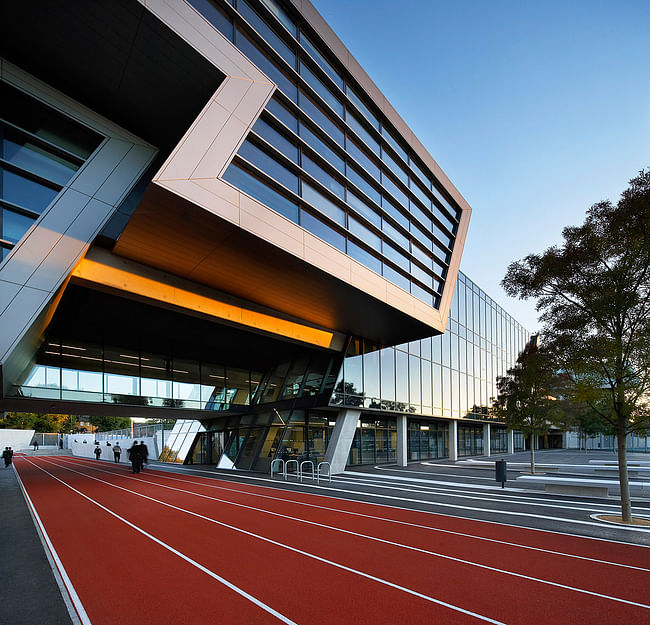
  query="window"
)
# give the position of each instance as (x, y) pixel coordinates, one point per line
(269, 165)
(394, 190)
(266, 32)
(363, 208)
(267, 66)
(321, 89)
(356, 178)
(321, 230)
(395, 235)
(363, 233)
(363, 134)
(362, 158)
(325, 206)
(261, 191)
(278, 141)
(394, 167)
(394, 144)
(322, 120)
(215, 16)
(358, 102)
(325, 151)
(320, 59)
(396, 278)
(281, 16)
(283, 114)
(364, 257)
(322, 176)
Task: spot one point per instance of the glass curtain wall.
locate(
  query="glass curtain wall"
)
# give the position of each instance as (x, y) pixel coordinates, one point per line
(323, 156)
(375, 441)
(83, 371)
(40, 151)
(252, 442)
(449, 375)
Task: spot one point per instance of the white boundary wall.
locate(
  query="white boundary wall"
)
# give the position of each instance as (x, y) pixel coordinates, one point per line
(16, 439)
(87, 449)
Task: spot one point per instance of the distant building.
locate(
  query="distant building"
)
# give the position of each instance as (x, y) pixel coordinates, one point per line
(211, 213)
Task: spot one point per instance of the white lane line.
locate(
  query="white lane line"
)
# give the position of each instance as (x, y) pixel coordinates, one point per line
(230, 475)
(312, 556)
(72, 593)
(377, 518)
(212, 574)
(357, 534)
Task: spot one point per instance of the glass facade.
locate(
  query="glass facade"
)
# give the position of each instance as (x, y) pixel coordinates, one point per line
(324, 156)
(73, 370)
(40, 151)
(449, 375)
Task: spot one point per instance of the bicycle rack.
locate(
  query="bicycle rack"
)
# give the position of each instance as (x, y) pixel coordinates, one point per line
(318, 472)
(302, 464)
(286, 468)
(280, 468)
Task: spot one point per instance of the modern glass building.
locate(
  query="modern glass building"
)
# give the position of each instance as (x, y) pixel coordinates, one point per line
(218, 217)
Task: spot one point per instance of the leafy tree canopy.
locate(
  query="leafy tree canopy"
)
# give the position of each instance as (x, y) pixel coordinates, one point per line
(593, 295)
(107, 424)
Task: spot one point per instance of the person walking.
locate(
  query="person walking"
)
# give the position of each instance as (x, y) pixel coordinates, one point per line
(98, 451)
(144, 455)
(117, 452)
(7, 456)
(134, 457)
(35, 445)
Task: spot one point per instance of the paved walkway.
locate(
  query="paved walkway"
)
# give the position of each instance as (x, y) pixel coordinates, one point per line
(29, 593)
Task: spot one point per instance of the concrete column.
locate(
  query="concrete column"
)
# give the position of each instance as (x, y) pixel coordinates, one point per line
(402, 441)
(511, 441)
(486, 439)
(338, 448)
(453, 440)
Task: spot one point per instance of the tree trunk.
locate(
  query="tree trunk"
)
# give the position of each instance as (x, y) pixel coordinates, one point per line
(626, 506)
(532, 454)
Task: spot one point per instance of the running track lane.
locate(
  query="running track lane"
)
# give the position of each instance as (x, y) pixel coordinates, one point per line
(598, 572)
(302, 588)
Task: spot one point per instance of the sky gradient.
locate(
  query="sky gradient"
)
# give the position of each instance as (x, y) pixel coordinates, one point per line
(535, 111)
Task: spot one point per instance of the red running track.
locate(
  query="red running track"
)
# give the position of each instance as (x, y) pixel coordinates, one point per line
(159, 548)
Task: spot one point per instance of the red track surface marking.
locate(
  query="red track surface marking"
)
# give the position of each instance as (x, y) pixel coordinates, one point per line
(611, 551)
(493, 594)
(347, 552)
(592, 576)
(299, 587)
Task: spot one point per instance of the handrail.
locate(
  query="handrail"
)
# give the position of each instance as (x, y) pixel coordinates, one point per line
(329, 471)
(281, 465)
(304, 462)
(286, 468)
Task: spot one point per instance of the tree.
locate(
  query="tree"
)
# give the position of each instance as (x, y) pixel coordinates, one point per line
(107, 424)
(593, 293)
(526, 399)
(39, 422)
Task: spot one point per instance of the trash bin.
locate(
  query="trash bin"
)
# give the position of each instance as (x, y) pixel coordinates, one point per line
(501, 472)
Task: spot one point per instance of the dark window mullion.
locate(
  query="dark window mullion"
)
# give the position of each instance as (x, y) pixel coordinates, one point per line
(44, 143)
(30, 175)
(16, 208)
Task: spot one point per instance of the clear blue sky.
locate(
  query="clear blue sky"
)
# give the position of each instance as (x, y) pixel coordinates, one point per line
(535, 110)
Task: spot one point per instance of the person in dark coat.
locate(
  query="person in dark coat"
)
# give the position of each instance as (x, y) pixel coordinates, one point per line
(134, 457)
(98, 451)
(144, 454)
(35, 445)
(7, 456)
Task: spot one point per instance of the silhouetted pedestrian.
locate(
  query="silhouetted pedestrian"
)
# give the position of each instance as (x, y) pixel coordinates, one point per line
(117, 452)
(35, 445)
(7, 456)
(134, 457)
(144, 454)
(98, 451)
